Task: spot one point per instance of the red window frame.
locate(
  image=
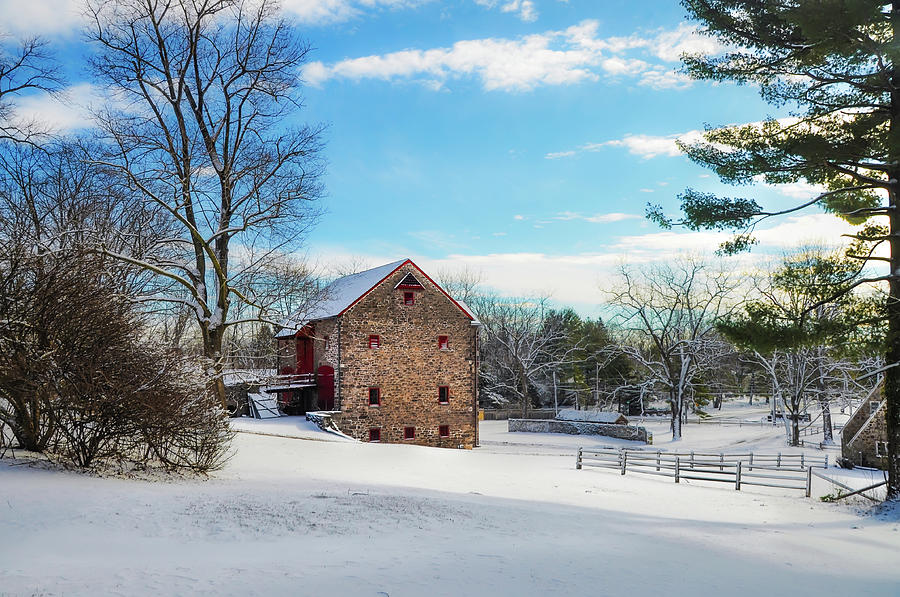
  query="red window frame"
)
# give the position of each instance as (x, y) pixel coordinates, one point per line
(374, 341)
(376, 394)
(443, 342)
(409, 433)
(375, 434)
(409, 298)
(444, 394)
(444, 430)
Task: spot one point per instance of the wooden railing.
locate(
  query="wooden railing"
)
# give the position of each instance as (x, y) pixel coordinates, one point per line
(787, 471)
(292, 379)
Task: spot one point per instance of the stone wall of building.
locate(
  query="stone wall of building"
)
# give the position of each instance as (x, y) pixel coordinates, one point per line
(868, 448)
(629, 432)
(408, 367)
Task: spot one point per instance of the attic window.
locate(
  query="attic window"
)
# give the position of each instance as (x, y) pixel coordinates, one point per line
(409, 298)
(409, 282)
(443, 342)
(374, 341)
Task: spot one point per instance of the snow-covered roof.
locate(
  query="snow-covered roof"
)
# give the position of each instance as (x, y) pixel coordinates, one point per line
(465, 307)
(340, 295)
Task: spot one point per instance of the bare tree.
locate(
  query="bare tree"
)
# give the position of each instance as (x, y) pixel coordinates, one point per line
(463, 285)
(521, 347)
(25, 66)
(205, 94)
(668, 314)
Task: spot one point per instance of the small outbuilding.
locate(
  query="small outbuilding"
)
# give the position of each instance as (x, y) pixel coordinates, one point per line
(864, 437)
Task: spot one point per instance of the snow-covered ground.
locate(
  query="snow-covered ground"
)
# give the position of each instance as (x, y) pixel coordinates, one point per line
(289, 516)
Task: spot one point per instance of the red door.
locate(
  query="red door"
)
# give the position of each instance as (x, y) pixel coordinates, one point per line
(325, 382)
(304, 355)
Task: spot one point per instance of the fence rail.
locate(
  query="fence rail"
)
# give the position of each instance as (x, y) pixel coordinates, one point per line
(787, 471)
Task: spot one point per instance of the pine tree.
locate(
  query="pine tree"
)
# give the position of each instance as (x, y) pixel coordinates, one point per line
(836, 65)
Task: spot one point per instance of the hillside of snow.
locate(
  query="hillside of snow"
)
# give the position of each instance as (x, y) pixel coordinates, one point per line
(291, 516)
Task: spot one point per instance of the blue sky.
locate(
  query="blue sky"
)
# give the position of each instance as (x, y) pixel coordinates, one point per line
(521, 139)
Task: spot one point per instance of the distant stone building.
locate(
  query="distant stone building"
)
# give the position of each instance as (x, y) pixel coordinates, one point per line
(391, 353)
(864, 437)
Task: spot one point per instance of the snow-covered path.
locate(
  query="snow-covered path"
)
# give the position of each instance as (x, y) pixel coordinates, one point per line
(297, 517)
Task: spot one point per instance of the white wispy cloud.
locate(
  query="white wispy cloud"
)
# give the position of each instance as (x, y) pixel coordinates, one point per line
(322, 12)
(600, 218)
(645, 146)
(524, 9)
(559, 154)
(557, 57)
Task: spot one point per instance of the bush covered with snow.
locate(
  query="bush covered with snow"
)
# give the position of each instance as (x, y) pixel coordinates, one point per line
(81, 382)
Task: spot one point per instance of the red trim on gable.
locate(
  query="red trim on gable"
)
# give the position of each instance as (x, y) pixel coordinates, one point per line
(394, 271)
(444, 292)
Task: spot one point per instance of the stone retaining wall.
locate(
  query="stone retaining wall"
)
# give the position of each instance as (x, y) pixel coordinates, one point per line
(629, 432)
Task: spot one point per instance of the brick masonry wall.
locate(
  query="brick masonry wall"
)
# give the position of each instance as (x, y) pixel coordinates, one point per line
(408, 367)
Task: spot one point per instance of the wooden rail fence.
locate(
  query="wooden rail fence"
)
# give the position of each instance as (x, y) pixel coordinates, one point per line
(787, 471)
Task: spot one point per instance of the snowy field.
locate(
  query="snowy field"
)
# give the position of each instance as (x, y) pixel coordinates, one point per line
(290, 516)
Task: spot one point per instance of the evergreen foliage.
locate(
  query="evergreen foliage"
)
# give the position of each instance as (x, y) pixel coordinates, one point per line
(836, 65)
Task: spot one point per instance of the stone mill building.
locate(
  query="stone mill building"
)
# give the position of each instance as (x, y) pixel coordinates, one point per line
(391, 355)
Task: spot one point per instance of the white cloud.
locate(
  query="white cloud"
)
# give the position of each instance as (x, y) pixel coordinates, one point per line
(524, 9)
(602, 218)
(649, 146)
(577, 279)
(560, 57)
(66, 111)
(559, 154)
(321, 12)
(522, 64)
(685, 39)
(40, 17)
(788, 233)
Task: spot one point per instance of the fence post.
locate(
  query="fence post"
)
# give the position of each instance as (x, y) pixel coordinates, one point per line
(692, 460)
(826, 461)
(657, 461)
(624, 460)
(721, 461)
(737, 477)
(578, 460)
(802, 460)
(809, 481)
(677, 469)
(779, 460)
(751, 461)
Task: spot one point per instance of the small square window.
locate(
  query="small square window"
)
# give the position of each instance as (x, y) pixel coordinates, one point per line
(409, 298)
(374, 396)
(443, 342)
(409, 433)
(881, 449)
(444, 430)
(374, 341)
(375, 434)
(444, 394)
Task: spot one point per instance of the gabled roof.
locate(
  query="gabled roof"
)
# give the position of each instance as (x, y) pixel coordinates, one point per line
(345, 292)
